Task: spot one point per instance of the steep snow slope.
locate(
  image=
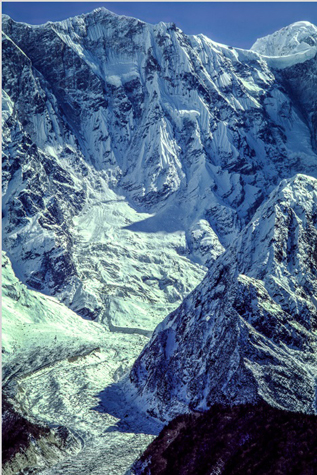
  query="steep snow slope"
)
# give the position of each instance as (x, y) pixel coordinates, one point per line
(249, 329)
(69, 234)
(55, 365)
(151, 139)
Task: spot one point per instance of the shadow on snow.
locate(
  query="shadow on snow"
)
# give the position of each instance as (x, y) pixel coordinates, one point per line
(113, 401)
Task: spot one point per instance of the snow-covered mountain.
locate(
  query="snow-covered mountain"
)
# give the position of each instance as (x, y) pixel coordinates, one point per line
(134, 154)
(295, 38)
(135, 158)
(249, 329)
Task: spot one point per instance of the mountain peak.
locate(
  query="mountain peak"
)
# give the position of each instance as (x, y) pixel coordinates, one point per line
(102, 11)
(295, 38)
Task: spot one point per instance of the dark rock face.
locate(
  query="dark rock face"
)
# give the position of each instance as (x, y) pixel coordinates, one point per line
(238, 440)
(248, 331)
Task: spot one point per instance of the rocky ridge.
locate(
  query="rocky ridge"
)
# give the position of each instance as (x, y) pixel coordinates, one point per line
(248, 332)
(28, 447)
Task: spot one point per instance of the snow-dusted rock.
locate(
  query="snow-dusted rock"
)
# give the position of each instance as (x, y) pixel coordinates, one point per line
(204, 243)
(249, 329)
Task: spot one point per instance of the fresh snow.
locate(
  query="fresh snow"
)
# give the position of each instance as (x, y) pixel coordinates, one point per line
(295, 38)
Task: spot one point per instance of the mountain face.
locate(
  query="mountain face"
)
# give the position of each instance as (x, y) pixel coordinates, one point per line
(248, 332)
(123, 138)
(136, 159)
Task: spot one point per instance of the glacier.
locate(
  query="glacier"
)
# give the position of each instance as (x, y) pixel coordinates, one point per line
(55, 365)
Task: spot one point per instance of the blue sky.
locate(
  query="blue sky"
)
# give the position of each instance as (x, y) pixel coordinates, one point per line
(237, 23)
